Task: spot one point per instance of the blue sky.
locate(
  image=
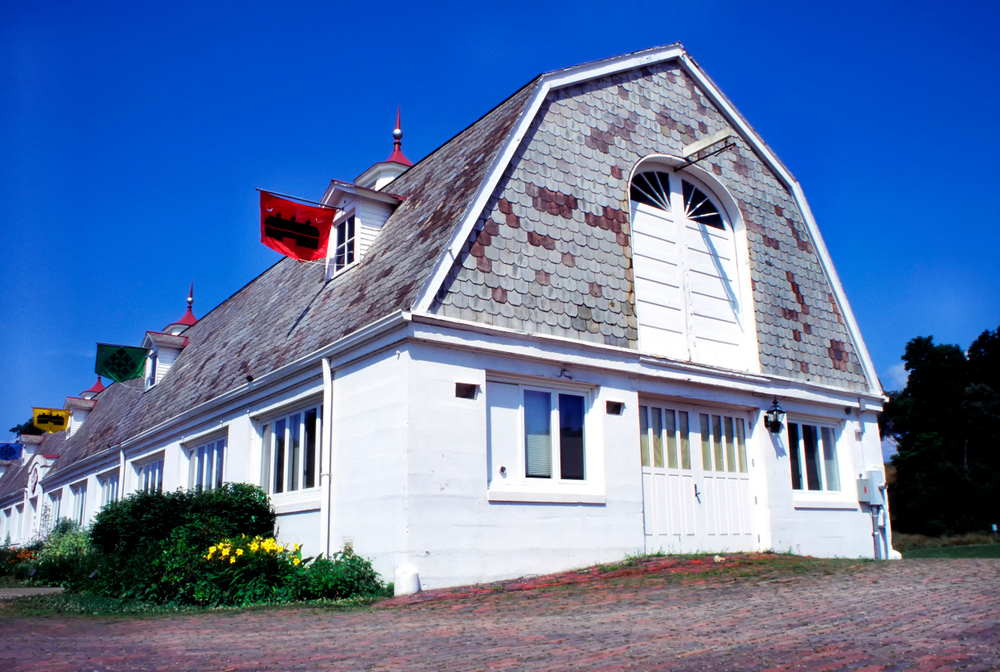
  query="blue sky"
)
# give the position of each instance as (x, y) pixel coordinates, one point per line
(133, 135)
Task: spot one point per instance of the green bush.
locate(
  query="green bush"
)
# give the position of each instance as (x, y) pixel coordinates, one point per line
(145, 518)
(66, 558)
(345, 575)
(209, 548)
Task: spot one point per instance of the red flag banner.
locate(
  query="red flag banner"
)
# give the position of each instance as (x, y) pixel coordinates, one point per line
(298, 231)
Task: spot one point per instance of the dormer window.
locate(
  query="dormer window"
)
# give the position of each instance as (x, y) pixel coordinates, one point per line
(151, 370)
(344, 253)
(163, 351)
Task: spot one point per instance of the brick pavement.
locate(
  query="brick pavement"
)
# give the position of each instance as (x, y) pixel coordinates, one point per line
(917, 615)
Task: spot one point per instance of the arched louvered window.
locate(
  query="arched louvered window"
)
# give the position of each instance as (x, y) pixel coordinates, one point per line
(687, 297)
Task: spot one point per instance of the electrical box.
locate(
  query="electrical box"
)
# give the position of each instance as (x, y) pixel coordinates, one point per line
(869, 491)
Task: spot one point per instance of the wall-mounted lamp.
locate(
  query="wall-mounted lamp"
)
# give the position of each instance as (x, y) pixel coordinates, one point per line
(773, 417)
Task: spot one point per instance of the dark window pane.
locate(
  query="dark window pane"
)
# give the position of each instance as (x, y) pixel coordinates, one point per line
(809, 443)
(699, 208)
(571, 436)
(538, 434)
(279, 456)
(309, 466)
(793, 454)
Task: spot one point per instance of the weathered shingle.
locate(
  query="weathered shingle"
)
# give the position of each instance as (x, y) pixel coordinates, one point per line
(562, 206)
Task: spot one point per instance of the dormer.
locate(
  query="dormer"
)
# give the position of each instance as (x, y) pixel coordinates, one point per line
(363, 208)
(79, 408)
(163, 350)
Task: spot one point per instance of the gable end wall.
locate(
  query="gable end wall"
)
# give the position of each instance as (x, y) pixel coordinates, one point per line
(551, 252)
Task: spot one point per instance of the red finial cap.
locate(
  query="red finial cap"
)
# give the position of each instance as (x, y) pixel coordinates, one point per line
(189, 317)
(95, 389)
(397, 155)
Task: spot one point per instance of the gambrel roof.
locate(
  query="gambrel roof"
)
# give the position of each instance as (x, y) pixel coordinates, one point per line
(538, 184)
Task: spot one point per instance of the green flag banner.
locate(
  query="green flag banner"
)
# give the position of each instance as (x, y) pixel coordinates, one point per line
(120, 362)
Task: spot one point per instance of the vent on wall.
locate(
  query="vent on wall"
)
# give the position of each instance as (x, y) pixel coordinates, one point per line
(466, 390)
(615, 407)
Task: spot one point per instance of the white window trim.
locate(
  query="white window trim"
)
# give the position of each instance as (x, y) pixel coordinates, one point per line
(80, 494)
(301, 499)
(331, 254)
(140, 464)
(516, 486)
(191, 449)
(103, 479)
(843, 499)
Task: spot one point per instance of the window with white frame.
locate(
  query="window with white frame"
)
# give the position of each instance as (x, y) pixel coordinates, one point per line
(109, 487)
(537, 433)
(813, 454)
(292, 450)
(206, 465)
(151, 369)
(344, 245)
(79, 491)
(5, 528)
(150, 475)
(55, 507)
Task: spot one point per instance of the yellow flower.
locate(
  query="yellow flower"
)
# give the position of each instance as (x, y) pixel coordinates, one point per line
(296, 561)
(232, 560)
(239, 551)
(225, 552)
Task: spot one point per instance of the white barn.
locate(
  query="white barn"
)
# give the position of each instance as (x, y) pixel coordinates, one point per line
(551, 342)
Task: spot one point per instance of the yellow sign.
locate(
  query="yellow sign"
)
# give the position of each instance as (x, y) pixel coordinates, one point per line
(51, 419)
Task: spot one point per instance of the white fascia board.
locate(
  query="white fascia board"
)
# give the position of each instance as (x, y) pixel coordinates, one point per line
(611, 66)
(362, 192)
(274, 382)
(779, 169)
(557, 350)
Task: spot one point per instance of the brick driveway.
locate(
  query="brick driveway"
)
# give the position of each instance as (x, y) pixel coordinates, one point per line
(671, 614)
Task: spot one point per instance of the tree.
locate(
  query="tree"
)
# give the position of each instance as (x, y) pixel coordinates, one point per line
(26, 428)
(946, 423)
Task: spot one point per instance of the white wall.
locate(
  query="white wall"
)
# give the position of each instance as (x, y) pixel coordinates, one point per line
(369, 459)
(456, 535)
(823, 524)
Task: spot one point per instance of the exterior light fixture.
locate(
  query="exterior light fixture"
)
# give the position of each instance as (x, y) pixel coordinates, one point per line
(773, 417)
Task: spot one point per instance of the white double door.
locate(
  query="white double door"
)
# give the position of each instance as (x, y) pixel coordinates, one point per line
(695, 479)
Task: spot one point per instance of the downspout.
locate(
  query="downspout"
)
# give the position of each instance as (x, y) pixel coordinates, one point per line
(326, 447)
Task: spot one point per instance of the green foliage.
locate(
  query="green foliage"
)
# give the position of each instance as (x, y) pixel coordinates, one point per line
(146, 518)
(946, 423)
(343, 576)
(66, 558)
(213, 548)
(26, 429)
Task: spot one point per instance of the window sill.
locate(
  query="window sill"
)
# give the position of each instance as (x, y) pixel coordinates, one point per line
(536, 497)
(296, 502)
(827, 504)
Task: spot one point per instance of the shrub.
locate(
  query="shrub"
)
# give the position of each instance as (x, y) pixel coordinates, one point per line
(66, 558)
(148, 537)
(144, 518)
(345, 575)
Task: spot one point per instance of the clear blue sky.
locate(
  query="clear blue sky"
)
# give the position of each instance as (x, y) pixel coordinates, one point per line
(132, 136)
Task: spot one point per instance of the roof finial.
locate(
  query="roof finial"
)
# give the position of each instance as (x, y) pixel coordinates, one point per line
(191, 295)
(397, 142)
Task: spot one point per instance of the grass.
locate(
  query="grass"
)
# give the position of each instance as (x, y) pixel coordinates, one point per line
(77, 604)
(911, 542)
(975, 551)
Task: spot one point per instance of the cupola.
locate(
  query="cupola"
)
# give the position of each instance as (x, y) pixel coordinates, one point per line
(186, 321)
(385, 172)
(364, 207)
(94, 390)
